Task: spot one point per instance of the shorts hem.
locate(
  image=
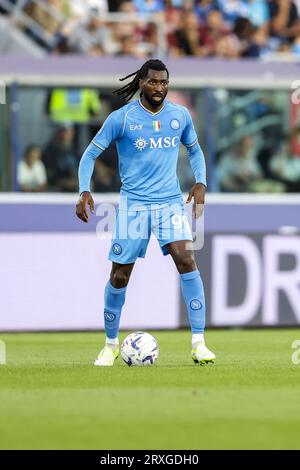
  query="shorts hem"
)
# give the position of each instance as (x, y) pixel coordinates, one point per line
(165, 251)
(118, 261)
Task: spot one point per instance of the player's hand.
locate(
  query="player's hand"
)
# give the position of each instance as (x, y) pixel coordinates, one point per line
(198, 193)
(84, 200)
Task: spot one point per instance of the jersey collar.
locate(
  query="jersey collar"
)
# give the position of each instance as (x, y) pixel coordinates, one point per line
(150, 112)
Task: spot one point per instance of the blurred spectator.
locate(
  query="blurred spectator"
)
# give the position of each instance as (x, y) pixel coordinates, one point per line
(239, 169)
(261, 26)
(245, 32)
(172, 18)
(188, 5)
(31, 174)
(284, 17)
(285, 167)
(204, 7)
(144, 34)
(186, 39)
(258, 14)
(295, 48)
(233, 9)
(261, 40)
(61, 160)
(82, 8)
(113, 5)
(212, 32)
(76, 105)
(227, 47)
(130, 48)
(89, 36)
(148, 6)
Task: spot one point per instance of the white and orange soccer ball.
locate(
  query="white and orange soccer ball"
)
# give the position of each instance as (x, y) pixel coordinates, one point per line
(139, 349)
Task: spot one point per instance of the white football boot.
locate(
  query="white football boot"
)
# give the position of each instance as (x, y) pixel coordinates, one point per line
(201, 354)
(107, 356)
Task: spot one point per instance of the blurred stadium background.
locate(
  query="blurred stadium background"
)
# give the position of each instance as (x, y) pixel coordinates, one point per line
(235, 65)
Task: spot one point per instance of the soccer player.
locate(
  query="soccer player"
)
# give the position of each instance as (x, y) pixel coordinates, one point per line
(148, 132)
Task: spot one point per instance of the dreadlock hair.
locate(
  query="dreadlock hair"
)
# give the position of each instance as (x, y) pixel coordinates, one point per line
(129, 90)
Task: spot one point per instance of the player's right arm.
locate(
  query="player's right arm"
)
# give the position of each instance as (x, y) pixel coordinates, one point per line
(109, 132)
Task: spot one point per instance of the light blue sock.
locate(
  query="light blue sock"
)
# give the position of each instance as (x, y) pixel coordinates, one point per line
(114, 300)
(193, 294)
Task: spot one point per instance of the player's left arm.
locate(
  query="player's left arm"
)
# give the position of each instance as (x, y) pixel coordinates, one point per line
(198, 190)
(196, 156)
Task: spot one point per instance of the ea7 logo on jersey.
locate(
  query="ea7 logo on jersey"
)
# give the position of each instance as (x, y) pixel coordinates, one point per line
(136, 127)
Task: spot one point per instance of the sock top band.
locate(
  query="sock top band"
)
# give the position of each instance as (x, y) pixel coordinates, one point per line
(189, 276)
(115, 290)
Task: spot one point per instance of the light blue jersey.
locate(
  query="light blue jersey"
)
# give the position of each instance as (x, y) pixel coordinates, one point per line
(148, 147)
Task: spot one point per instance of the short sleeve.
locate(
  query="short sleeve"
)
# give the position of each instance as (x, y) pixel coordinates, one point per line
(189, 136)
(110, 131)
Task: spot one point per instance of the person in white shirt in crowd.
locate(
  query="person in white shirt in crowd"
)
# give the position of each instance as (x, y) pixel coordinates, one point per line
(81, 8)
(285, 164)
(90, 36)
(31, 175)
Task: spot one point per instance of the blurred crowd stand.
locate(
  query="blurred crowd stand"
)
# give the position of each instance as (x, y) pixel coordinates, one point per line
(142, 28)
(254, 150)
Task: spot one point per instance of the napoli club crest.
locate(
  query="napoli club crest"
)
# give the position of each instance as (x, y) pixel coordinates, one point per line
(195, 304)
(117, 249)
(175, 124)
(109, 316)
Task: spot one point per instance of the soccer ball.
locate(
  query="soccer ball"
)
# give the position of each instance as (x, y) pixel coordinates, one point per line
(139, 349)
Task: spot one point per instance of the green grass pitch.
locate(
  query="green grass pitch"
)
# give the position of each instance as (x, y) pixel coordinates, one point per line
(52, 397)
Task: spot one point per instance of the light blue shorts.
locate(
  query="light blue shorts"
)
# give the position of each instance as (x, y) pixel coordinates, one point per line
(168, 222)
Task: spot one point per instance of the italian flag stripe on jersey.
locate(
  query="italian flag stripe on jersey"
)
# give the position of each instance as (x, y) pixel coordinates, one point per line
(156, 125)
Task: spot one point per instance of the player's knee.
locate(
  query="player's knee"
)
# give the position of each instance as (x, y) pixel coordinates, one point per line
(186, 263)
(119, 279)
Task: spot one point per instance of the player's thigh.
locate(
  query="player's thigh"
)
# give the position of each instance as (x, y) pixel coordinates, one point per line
(171, 225)
(130, 237)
